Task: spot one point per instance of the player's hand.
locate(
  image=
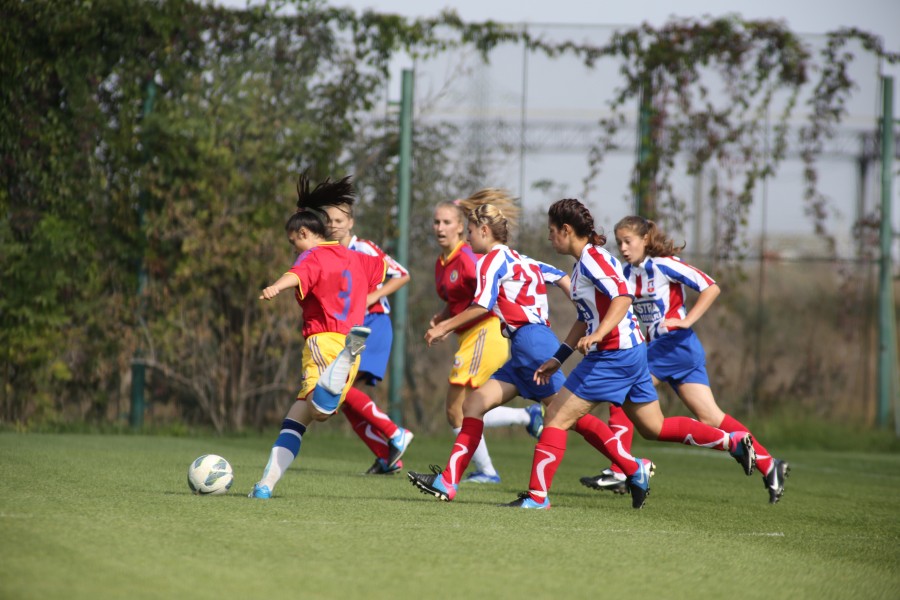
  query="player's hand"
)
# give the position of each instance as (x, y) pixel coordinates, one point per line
(545, 371)
(435, 334)
(269, 292)
(673, 324)
(585, 343)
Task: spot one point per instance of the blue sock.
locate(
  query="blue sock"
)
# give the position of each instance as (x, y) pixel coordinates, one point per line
(291, 436)
(284, 451)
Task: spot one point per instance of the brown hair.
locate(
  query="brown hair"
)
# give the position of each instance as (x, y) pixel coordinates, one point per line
(495, 208)
(657, 242)
(576, 215)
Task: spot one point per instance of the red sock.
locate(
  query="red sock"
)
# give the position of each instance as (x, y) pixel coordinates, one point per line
(692, 433)
(548, 454)
(600, 436)
(370, 437)
(463, 448)
(763, 458)
(622, 428)
(367, 410)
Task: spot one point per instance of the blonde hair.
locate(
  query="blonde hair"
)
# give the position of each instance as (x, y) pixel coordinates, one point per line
(495, 208)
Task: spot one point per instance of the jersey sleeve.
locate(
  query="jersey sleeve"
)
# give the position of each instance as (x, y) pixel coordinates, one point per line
(394, 269)
(604, 275)
(307, 270)
(675, 269)
(550, 273)
(375, 269)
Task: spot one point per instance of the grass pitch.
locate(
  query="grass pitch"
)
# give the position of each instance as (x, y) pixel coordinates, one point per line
(111, 516)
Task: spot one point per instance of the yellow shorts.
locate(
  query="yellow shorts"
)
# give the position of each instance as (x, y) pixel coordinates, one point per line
(319, 352)
(482, 350)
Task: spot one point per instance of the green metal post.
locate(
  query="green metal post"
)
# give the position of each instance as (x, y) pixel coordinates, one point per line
(887, 325)
(138, 374)
(398, 354)
(644, 204)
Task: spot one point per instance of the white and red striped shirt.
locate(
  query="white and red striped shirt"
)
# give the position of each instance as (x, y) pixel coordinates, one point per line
(394, 269)
(514, 288)
(658, 287)
(596, 280)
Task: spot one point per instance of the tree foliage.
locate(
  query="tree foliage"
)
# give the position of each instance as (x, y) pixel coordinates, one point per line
(148, 152)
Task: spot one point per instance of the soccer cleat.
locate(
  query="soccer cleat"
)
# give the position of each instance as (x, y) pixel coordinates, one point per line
(433, 484)
(397, 445)
(535, 419)
(261, 492)
(355, 342)
(740, 446)
(379, 467)
(524, 501)
(607, 480)
(479, 477)
(774, 481)
(639, 483)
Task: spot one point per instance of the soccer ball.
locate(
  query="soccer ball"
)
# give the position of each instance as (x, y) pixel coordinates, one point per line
(210, 475)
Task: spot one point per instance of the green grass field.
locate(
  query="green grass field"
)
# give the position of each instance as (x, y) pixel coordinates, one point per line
(111, 516)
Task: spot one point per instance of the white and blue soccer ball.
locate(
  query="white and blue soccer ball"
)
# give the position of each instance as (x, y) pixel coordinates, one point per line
(210, 475)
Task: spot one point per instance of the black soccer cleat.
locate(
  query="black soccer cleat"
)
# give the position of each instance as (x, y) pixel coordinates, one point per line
(774, 481)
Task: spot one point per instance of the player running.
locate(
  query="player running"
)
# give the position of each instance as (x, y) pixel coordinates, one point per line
(614, 368)
(657, 279)
(384, 438)
(482, 349)
(513, 288)
(330, 284)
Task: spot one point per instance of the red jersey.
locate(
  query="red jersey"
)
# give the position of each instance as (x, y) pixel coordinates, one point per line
(334, 282)
(455, 280)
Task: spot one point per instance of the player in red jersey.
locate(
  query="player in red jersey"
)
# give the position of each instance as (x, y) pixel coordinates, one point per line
(387, 440)
(330, 284)
(658, 279)
(481, 348)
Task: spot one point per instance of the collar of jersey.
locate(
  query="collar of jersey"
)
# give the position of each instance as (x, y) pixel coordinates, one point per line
(453, 254)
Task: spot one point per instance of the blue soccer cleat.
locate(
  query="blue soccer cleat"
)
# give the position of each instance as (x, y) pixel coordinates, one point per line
(525, 501)
(639, 483)
(261, 492)
(479, 477)
(740, 447)
(397, 446)
(535, 419)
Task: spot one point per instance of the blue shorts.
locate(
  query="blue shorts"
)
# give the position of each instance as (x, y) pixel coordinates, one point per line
(613, 376)
(531, 346)
(374, 359)
(677, 357)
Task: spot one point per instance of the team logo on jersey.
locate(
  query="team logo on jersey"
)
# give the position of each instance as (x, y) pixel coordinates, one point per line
(457, 361)
(454, 275)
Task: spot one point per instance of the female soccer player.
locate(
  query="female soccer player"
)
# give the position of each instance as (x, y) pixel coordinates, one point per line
(614, 368)
(330, 284)
(385, 439)
(482, 349)
(658, 279)
(513, 288)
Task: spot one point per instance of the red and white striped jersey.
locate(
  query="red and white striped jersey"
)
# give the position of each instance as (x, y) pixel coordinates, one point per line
(514, 288)
(658, 287)
(596, 280)
(394, 269)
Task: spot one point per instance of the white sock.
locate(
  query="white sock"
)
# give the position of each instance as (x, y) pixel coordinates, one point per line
(503, 416)
(481, 460)
(334, 377)
(279, 460)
